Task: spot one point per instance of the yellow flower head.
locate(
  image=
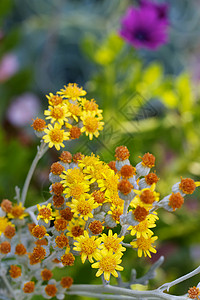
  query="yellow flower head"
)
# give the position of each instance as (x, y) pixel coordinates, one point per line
(75, 228)
(145, 197)
(83, 208)
(108, 264)
(74, 111)
(45, 213)
(88, 247)
(72, 91)
(17, 212)
(91, 124)
(72, 175)
(142, 229)
(91, 105)
(77, 190)
(109, 183)
(57, 114)
(54, 100)
(3, 224)
(112, 242)
(55, 136)
(145, 245)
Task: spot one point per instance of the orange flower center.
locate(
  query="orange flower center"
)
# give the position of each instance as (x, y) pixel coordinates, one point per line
(148, 160)
(96, 227)
(122, 153)
(151, 178)
(77, 231)
(51, 290)
(128, 171)
(125, 186)
(147, 197)
(68, 259)
(176, 200)
(140, 213)
(187, 185)
(57, 112)
(45, 213)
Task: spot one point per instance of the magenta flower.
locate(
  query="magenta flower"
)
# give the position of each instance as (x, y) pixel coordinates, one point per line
(143, 28)
(161, 9)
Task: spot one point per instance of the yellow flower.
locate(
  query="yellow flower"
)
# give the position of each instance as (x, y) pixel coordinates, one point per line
(77, 190)
(108, 264)
(91, 105)
(54, 100)
(3, 224)
(109, 183)
(55, 136)
(83, 208)
(57, 114)
(75, 228)
(142, 229)
(91, 124)
(17, 212)
(144, 245)
(112, 242)
(145, 197)
(88, 247)
(72, 91)
(45, 213)
(72, 175)
(74, 111)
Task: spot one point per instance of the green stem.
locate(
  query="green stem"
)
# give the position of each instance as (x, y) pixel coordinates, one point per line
(40, 152)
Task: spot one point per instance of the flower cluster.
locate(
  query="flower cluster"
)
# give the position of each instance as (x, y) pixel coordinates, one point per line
(89, 201)
(69, 115)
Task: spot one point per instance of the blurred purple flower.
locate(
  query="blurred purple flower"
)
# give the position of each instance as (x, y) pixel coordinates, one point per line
(161, 9)
(23, 109)
(8, 66)
(142, 28)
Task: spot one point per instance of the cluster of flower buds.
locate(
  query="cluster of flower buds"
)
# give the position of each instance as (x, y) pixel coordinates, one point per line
(69, 115)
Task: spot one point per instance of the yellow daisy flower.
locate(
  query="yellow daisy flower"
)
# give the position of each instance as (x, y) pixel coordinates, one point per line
(54, 100)
(55, 136)
(112, 242)
(77, 190)
(74, 111)
(110, 182)
(88, 247)
(75, 227)
(108, 264)
(145, 197)
(72, 91)
(144, 245)
(17, 212)
(72, 175)
(83, 208)
(57, 114)
(45, 213)
(91, 105)
(91, 124)
(142, 229)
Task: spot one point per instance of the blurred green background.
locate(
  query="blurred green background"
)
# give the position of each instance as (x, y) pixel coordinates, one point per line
(150, 99)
